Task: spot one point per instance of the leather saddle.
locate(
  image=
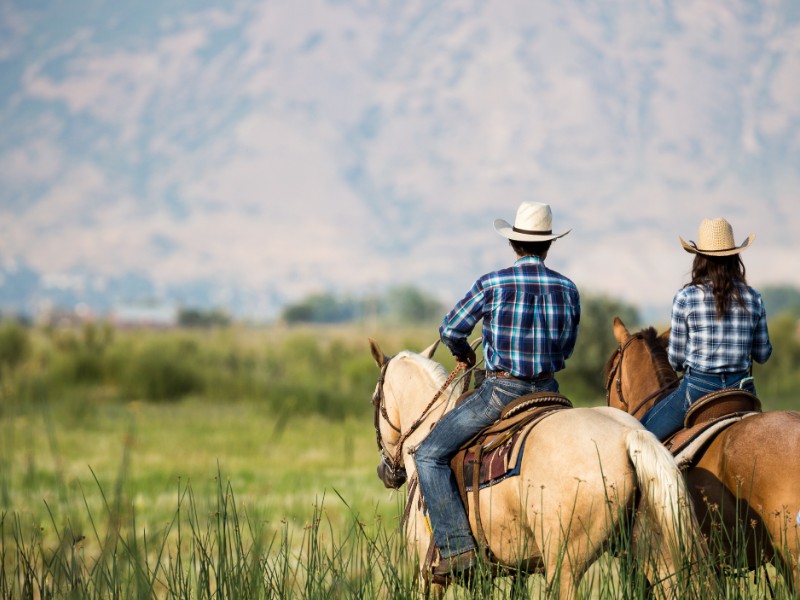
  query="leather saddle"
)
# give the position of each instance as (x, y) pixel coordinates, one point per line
(707, 417)
(496, 452)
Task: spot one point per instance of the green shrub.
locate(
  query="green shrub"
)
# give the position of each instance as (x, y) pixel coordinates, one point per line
(15, 345)
(163, 370)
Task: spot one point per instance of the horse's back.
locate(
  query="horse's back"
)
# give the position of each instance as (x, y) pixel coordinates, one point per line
(578, 451)
(760, 455)
(575, 463)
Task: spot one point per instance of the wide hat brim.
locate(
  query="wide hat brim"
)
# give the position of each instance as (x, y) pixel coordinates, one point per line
(507, 230)
(692, 248)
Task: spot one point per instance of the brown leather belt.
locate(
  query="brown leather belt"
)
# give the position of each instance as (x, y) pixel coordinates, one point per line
(507, 375)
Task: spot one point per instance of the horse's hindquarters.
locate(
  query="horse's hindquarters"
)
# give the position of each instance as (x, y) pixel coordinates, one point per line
(576, 482)
(750, 474)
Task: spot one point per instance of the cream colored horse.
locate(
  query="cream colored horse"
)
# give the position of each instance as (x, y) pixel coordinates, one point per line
(584, 474)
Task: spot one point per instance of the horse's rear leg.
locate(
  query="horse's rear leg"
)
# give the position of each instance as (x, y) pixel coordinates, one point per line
(563, 580)
(784, 532)
(789, 567)
(565, 569)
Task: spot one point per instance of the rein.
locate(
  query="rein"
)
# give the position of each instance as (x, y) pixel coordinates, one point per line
(615, 374)
(395, 463)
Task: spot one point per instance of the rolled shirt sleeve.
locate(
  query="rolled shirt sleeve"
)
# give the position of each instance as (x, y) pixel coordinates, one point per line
(679, 333)
(459, 322)
(762, 348)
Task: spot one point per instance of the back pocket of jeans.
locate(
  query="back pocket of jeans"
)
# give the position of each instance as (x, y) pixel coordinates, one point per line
(695, 391)
(499, 400)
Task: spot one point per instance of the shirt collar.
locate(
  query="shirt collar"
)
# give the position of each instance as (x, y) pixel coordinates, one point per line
(528, 260)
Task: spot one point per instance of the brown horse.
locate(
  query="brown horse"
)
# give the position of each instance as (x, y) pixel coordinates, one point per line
(584, 474)
(748, 476)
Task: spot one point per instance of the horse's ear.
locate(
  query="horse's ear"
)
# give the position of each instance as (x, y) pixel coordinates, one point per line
(377, 353)
(428, 352)
(620, 331)
(663, 339)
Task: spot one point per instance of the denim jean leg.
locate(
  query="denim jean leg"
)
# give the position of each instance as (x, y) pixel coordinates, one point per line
(449, 522)
(666, 417)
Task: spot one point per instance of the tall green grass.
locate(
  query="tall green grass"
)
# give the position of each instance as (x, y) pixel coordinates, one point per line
(294, 519)
(226, 552)
(216, 548)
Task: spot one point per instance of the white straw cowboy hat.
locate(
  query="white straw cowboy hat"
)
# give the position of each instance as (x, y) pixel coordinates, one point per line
(533, 223)
(715, 238)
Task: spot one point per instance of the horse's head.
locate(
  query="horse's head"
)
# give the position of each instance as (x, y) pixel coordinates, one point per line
(638, 372)
(387, 402)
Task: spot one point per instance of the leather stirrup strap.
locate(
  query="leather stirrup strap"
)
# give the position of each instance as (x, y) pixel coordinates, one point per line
(476, 491)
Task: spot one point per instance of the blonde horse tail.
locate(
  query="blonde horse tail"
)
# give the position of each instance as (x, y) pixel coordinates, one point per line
(665, 494)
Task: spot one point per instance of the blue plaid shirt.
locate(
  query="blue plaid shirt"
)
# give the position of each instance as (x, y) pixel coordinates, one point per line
(530, 319)
(700, 341)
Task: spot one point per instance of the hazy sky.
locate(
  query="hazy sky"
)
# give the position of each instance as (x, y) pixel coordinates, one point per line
(286, 147)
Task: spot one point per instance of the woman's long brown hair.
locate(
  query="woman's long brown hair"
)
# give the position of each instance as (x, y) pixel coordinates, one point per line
(723, 272)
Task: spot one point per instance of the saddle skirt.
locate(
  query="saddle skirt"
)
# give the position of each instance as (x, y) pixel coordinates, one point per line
(706, 418)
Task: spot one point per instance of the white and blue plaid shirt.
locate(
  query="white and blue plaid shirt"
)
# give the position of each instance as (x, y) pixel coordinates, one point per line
(700, 341)
(530, 319)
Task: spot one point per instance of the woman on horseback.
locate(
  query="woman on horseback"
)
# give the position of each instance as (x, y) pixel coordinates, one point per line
(719, 327)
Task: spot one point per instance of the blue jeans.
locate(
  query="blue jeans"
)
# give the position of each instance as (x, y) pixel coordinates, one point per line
(439, 489)
(666, 417)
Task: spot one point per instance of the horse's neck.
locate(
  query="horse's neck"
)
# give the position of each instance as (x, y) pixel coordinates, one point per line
(417, 382)
(422, 415)
(645, 386)
(418, 410)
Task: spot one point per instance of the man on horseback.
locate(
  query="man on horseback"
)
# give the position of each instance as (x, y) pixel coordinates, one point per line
(530, 320)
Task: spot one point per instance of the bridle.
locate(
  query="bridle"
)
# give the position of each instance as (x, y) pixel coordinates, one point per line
(379, 406)
(395, 463)
(615, 374)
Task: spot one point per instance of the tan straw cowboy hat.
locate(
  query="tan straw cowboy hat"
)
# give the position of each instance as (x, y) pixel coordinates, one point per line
(533, 223)
(715, 238)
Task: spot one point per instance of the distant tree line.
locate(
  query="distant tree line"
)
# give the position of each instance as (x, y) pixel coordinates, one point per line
(322, 370)
(781, 299)
(197, 317)
(401, 304)
(408, 304)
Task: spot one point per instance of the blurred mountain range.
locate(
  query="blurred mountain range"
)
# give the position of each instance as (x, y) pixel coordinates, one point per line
(247, 154)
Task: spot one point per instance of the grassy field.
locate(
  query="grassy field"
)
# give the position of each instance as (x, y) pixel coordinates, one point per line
(234, 489)
(284, 467)
(129, 470)
(203, 500)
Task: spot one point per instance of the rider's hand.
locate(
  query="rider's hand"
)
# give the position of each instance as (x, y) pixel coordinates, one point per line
(468, 358)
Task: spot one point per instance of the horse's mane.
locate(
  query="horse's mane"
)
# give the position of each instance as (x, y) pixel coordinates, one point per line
(664, 371)
(436, 371)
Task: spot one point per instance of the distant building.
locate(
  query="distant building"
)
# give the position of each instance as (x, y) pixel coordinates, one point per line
(50, 315)
(153, 315)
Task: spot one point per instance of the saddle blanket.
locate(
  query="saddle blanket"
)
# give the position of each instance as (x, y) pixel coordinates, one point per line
(685, 448)
(498, 464)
